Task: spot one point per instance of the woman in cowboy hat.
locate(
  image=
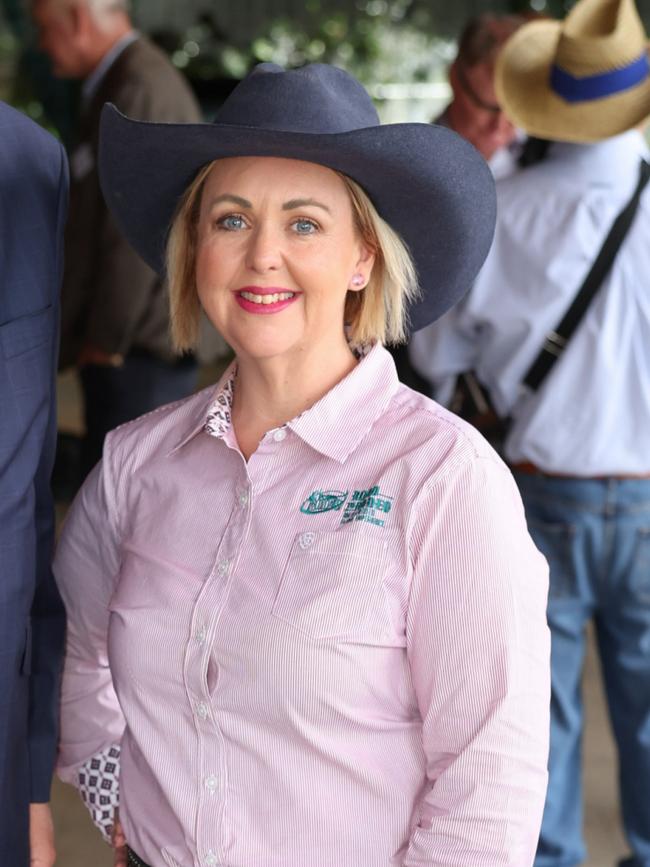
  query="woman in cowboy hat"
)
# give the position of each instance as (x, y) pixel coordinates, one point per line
(306, 621)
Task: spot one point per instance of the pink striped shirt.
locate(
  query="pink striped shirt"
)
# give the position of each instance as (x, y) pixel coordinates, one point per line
(332, 655)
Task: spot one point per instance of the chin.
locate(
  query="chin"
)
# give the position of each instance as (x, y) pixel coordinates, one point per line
(67, 73)
(262, 348)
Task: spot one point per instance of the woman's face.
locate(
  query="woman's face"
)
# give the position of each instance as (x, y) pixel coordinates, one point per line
(276, 253)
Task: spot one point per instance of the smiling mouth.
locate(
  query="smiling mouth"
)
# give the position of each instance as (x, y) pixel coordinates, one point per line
(267, 298)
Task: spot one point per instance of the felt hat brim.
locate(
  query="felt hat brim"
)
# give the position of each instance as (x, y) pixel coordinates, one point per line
(522, 85)
(429, 184)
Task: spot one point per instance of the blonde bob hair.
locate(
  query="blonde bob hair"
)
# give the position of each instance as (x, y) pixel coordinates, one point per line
(376, 313)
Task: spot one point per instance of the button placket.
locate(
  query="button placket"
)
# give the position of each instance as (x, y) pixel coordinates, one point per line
(212, 784)
(208, 608)
(202, 710)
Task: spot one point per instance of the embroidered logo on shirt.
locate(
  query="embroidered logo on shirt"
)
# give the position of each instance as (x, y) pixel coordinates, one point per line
(324, 501)
(369, 506)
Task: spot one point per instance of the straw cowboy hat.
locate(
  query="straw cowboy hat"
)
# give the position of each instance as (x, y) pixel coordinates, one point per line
(429, 184)
(582, 79)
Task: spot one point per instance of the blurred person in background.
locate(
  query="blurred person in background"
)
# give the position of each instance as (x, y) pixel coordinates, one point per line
(475, 114)
(474, 111)
(115, 322)
(579, 397)
(33, 203)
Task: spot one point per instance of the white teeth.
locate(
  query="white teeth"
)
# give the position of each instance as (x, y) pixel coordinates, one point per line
(267, 299)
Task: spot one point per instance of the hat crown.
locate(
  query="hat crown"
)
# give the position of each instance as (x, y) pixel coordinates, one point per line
(599, 36)
(314, 99)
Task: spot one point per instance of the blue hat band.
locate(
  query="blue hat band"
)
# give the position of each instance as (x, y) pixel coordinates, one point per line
(590, 87)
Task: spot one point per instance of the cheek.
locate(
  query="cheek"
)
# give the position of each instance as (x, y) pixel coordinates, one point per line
(201, 269)
(210, 267)
(207, 280)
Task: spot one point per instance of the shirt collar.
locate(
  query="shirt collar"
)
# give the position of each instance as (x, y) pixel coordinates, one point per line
(340, 420)
(221, 395)
(611, 158)
(335, 425)
(92, 83)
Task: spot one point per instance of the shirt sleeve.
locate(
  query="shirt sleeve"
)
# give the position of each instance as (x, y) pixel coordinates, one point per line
(444, 349)
(479, 652)
(99, 786)
(86, 567)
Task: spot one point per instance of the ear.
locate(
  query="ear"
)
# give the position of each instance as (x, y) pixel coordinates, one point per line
(363, 267)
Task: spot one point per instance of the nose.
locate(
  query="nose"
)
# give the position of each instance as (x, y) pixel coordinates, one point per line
(264, 249)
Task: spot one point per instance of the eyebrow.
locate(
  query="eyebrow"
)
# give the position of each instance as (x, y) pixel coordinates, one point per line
(291, 205)
(229, 197)
(301, 203)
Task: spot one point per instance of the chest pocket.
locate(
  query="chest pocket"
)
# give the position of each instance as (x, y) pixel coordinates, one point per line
(332, 586)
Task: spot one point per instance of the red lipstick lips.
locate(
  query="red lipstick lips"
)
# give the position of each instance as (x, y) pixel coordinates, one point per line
(265, 299)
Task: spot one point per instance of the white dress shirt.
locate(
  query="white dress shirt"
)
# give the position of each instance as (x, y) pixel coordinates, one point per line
(591, 416)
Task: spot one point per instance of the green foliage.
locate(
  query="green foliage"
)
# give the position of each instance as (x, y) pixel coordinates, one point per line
(378, 41)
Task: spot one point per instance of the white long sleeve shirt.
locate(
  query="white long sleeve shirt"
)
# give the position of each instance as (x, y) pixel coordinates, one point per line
(591, 416)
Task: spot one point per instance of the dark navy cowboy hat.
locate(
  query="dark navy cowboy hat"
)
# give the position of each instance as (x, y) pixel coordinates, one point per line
(428, 183)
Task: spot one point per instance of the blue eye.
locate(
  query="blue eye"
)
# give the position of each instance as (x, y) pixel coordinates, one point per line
(305, 227)
(231, 223)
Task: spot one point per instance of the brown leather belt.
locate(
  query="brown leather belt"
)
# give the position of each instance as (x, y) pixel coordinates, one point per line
(529, 469)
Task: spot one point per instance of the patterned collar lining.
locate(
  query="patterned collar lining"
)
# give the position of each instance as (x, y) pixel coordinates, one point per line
(219, 419)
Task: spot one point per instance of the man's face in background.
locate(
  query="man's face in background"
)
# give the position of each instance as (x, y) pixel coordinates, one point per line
(476, 114)
(58, 31)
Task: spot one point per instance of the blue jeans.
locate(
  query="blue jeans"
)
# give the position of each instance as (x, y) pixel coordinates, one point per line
(596, 536)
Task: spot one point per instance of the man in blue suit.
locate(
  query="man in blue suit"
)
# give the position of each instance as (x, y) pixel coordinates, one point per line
(33, 204)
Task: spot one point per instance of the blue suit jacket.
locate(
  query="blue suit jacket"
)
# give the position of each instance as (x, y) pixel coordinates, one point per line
(33, 203)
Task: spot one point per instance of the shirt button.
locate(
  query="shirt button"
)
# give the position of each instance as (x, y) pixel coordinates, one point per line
(211, 859)
(211, 784)
(202, 710)
(306, 540)
(223, 567)
(280, 435)
(201, 634)
(243, 499)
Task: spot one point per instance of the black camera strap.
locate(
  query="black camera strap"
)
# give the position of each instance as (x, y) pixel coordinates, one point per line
(556, 340)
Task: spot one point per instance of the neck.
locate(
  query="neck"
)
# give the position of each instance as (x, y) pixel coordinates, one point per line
(271, 392)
